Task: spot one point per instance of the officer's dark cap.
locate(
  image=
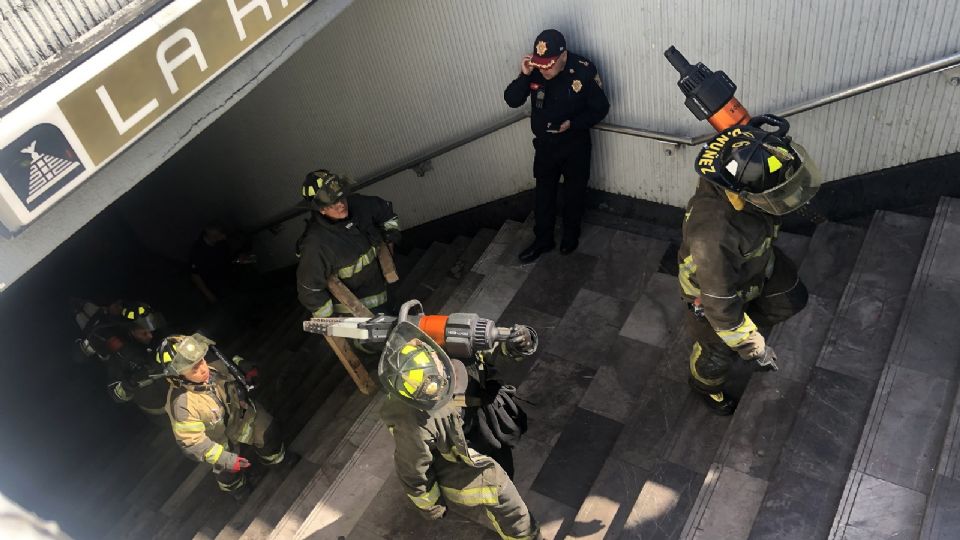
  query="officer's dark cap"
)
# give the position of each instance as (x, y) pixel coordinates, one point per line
(548, 46)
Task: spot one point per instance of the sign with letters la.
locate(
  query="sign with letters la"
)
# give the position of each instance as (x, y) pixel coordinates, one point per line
(52, 142)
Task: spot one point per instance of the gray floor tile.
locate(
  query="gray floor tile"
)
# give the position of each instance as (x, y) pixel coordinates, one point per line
(675, 363)
(827, 429)
(646, 437)
(862, 331)
(610, 501)
(468, 284)
(619, 384)
(577, 457)
(550, 393)
(663, 504)
(497, 247)
(521, 238)
(528, 458)
(697, 435)
(495, 292)
(930, 339)
(762, 424)
(799, 339)
(658, 313)
(555, 281)
(910, 436)
(946, 261)
(890, 261)
(554, 517)
(595, 240)
(793, 246)
(391, 514)
(830, 259)
(623, 269)
(884, 510)
(515, 372)
(589, 328)
(733, 506)
(790, 512)
(943, 510)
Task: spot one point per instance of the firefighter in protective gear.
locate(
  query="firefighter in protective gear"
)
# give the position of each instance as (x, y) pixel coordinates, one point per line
(735, 282)
(211, 413)
(134, 374)
(435, 465)
(341, 239)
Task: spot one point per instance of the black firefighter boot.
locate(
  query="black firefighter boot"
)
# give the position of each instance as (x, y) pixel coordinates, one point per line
(719, 402)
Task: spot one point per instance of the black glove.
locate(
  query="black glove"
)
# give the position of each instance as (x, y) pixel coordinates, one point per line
(523, 341)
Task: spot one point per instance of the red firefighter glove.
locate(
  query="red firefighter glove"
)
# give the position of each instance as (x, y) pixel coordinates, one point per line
(252, 376)
(239, 464)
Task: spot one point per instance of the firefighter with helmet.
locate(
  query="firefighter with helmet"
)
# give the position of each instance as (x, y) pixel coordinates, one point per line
(341, 239)
(134, 374)
(439, 471)
(736, 283)
(212, 414)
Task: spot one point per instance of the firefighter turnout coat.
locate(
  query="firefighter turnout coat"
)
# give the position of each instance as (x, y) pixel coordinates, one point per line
(724, 260)
(347, 249)
(439, 471)
(210, 419)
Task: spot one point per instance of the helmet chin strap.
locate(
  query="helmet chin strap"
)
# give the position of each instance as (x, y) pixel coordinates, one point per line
(735, 200)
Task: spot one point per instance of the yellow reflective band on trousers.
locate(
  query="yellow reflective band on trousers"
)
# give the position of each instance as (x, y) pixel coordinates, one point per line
(348, 271)
(274, 459)
(325, 310)
(121, 394)
(694, 356)
(189, 427)
(428, 499)
(231, 486)
(503, 535)
(733, 337)
(391, 224)
(372, 301)
(487, 495)
(213, 454)
(687, 270)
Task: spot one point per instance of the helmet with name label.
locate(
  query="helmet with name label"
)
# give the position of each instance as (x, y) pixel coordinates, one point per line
(765, 169)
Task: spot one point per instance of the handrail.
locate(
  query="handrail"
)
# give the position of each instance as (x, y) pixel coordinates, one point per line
(929, 67)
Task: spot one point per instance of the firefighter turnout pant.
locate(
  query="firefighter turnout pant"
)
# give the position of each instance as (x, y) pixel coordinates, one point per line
(270, 453)
(485, 495)
(783, 295)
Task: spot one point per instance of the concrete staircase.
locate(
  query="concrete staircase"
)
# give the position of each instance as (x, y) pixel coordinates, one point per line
(858, 435)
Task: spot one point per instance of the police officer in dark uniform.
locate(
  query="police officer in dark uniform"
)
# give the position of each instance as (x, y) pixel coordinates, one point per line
(341, 239)
(568, 99)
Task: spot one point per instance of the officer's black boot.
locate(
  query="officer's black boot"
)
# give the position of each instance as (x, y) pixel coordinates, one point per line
(534, 250)
(568, 245)
(719, 402)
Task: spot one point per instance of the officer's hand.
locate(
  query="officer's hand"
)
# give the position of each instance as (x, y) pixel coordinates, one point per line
(239, 464)
(525, 66)
(564, 126)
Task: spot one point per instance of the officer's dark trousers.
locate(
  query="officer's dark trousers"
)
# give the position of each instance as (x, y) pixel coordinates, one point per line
(569, 158)
(783, 296)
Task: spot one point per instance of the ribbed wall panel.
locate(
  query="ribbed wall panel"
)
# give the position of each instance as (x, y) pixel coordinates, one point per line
(386, 81)
(33, 32)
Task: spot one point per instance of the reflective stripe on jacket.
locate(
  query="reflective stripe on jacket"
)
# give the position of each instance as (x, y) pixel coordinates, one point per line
(347, 249)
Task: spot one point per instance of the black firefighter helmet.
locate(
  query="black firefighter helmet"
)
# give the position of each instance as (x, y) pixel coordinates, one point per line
(766, 169)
